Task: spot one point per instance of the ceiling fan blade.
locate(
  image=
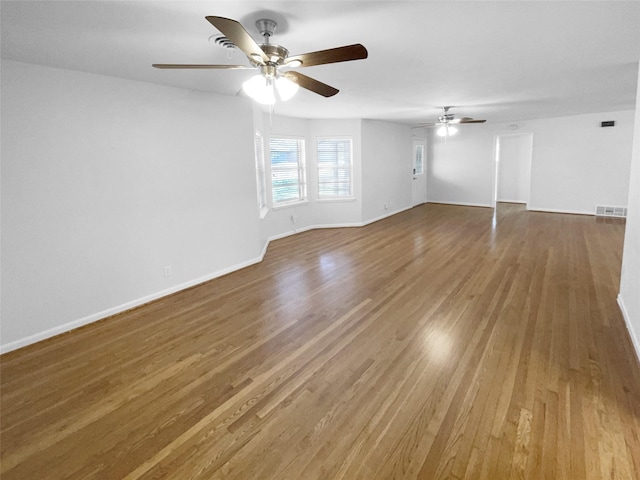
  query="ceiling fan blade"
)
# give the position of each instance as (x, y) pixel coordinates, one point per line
(312, 84)
(470, 120)
(424, 125)
(193, 66)
(239, 37)
(332, 55)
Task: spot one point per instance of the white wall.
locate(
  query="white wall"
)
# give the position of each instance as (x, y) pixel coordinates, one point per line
(576, 164)
(460, 168)
(104, 182)
(514, 167)
(387, 168)
(629, 298)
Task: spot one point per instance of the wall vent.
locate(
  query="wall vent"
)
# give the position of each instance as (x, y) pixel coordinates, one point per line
(606, 211)
(223, 41)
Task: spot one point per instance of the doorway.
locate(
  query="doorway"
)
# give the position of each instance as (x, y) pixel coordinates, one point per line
(419, 181)
(512, 168)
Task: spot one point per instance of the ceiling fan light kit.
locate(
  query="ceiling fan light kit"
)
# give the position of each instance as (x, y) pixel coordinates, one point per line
(446, 130)
(271, 83)
(263, 89)
(286, 88)
(260, 88)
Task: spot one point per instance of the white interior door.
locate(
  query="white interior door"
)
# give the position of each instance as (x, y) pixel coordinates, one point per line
(419, 181)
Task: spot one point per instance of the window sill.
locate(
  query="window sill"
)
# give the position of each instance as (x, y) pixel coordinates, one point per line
(281, 206)
(336, 199)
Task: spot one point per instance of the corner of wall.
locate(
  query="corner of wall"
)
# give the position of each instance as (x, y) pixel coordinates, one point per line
(630, 277)
(635, 339)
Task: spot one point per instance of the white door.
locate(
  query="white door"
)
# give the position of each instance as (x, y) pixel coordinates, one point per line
(419, 181)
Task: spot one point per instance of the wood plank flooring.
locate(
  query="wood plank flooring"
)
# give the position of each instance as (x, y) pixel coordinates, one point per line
(442, 342)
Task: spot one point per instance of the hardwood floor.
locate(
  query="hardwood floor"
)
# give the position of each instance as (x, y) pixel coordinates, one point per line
(441, 342)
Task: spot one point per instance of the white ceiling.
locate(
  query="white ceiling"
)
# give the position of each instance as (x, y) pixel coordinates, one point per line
(503, 61)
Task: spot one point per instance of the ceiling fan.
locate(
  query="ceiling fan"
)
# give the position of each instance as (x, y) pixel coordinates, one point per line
(270, 59)
(446, 122)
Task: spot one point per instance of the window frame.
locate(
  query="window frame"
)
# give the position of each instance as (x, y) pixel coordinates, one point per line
(335, 197)
(301, 168)
(261, 173)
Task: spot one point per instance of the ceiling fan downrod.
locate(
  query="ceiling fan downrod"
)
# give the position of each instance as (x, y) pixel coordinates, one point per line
(266, 27)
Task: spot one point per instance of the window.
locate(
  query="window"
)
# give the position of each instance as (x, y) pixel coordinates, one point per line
(288, 182)
(418, 160)
(260, 174)
(334, 168)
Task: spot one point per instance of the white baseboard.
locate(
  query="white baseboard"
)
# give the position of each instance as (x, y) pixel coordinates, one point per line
(463, 204)
(66, 327)
(338, 225)
(553, 210)
(289, 233)
(52, 332)
(381, 217)
(634, 338)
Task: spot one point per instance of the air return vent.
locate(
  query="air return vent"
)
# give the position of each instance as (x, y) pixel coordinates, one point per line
(224, 42)
(606, 211)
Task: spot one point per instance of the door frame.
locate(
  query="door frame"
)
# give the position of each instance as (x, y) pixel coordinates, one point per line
(496, 167)
(423, 191)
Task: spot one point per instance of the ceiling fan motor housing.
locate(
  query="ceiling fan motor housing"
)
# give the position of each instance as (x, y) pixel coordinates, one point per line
(446, 118)
(276, 53)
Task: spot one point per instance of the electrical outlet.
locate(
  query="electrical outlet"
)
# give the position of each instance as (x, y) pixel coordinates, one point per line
(294, 218)
(167, 271)
(386, 206)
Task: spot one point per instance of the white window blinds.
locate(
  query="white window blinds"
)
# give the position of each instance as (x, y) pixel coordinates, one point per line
(334, 168)
(288, 182)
